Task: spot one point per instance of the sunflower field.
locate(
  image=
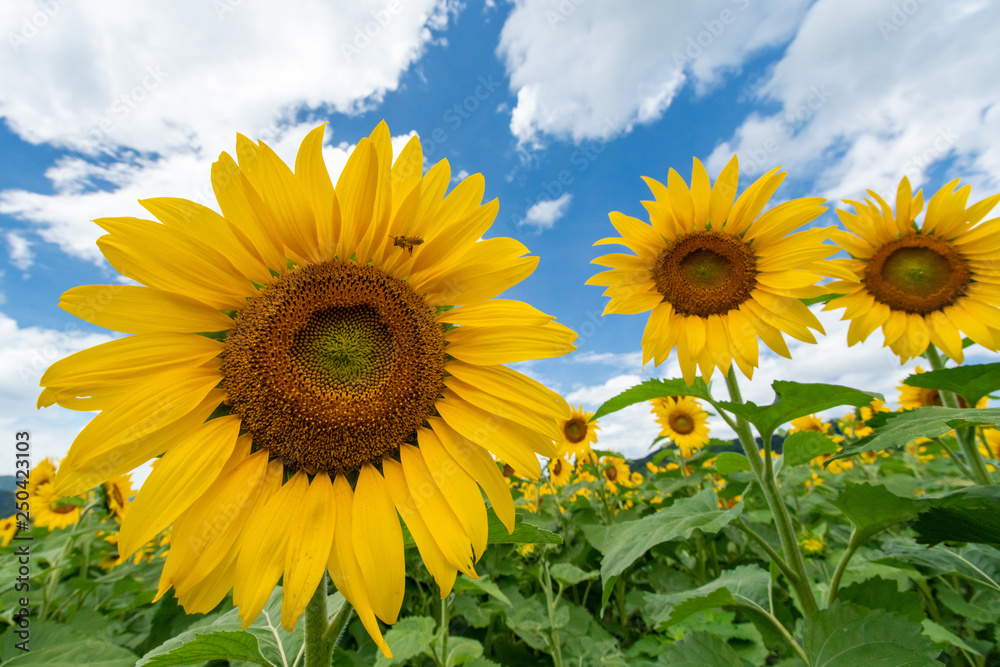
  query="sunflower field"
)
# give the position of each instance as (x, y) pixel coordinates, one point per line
(347, 470)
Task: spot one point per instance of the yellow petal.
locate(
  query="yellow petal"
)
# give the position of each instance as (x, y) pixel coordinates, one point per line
(311, 171)
(495, 312)
(512, 386)
(508, 344)
(356, 190)
(343, 564)
(701, 194)
(289, 205)
(680, 201)
(752, 201)
(481, 467)
(171, 488)
(723, 194)
(310, 540)
(441, 520)
(458, 489)
(245, 209)
(139, 310)
(262, 558)
(434, 559)
(376, 238)
(378, 544)
(504, 409)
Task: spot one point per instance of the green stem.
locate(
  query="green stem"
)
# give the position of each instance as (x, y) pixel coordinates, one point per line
(953, 455)
(771, 553)
(852, 546)
(782, 520)
(787, 635)
(551, 604)
(338, 625)
(968, 444)
(317, 648)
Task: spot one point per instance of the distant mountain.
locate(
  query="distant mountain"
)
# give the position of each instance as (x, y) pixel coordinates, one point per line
(8, 483)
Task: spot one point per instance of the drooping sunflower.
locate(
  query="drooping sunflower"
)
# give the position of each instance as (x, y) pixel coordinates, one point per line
(682, 419)
(334, 383)
(911, 398)
(578, 432)
(926, 283)
(560, 470)
(716, 273)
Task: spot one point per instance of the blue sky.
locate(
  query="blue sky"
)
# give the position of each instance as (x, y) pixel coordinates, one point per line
(561, 104)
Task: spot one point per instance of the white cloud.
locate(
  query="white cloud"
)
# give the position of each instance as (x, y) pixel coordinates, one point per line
(583, 70)
(543, 215)
(25, 353)
(20, 251)
(871, 91)
(183, 76)
(868, 366)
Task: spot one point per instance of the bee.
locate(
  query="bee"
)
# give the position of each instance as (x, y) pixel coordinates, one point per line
(406, 242)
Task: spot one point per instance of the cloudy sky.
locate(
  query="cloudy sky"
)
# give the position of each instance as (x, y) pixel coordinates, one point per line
(561, 104)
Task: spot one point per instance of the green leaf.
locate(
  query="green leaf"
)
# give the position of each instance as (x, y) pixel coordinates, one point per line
(970, 382)
(973, 562)
(481, 585)
(743, 586)
(969, 515)
(90, 652)
(629, 540)
(727, 463)
(846, 635)
(794, 400)
(884, 594)
(570, 574)
(524, 532)
(263, 643)
(873, 508)
(926, 422)
(410, 637)
(461, 650)
(651, 389)
(700, 649)
(803, 446)
(942, 635)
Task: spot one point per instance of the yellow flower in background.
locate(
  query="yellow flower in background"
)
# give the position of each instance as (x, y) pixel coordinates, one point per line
(926, 283)
(616, 473)
(875, 406)
(718, 274)
(120, 493)
(682, 419)
(338, 386)
(917, 397)
(809, 423)
(578, 432)
(992, 437)
(8, 529)
(48, 509)
(560, 470)
(43, 473)
(812, 545)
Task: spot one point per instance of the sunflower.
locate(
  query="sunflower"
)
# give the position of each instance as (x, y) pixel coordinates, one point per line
(992, 438)
(120, 493)
(683, 421)
(334, 384)
(917, 397)
(715, 273)
(578, 432)
(43, 473)
(560, 470)
(616, 473)
(8, 529)
(49, 509)
(809, 423)
(922, 284)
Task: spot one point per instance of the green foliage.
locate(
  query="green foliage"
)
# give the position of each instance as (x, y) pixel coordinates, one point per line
(846, 635)
(969, 382)
(651, 389)
(803, 446)
(927, 422)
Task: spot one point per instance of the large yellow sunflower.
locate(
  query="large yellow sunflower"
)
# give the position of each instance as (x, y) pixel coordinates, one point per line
(336, 385)
(578, 432)
(682, 419)
(717, 274)
(927, 283)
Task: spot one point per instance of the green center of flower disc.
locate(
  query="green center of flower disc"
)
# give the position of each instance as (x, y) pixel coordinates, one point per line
(333, 366)
(575, 430)
(917, 274)
(706, 273)
(681, 423)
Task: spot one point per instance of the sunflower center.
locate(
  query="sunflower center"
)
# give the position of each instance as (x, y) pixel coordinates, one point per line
(62, 508)
(334, 366)
(575, 430)
(917, 274)
(706, 273)
(611, 472)
(557, 468)
(681, 423)
(116, 496)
